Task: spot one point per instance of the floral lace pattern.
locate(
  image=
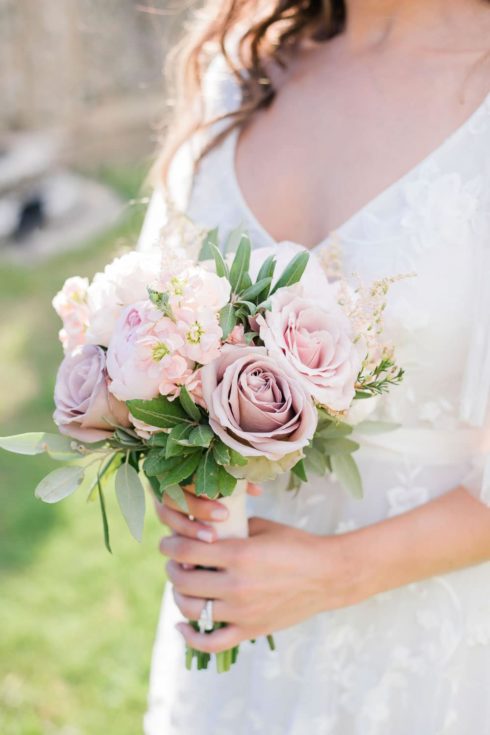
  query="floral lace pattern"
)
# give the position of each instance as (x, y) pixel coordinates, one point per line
(415, 660)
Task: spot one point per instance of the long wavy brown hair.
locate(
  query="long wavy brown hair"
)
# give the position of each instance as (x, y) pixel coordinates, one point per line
(277, 28)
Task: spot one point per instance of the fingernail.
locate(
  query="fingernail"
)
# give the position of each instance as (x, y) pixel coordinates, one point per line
(205, 536)
(219, 514)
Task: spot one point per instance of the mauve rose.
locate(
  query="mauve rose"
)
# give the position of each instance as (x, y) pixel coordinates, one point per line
(256, 406)
(84, 407)
(315, 341)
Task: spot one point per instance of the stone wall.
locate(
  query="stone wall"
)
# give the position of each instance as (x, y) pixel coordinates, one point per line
(77, 65)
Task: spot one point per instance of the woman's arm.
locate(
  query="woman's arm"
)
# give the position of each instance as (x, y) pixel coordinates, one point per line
(280, 575)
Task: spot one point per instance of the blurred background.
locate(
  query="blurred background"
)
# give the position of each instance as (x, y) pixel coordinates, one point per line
(82, 98)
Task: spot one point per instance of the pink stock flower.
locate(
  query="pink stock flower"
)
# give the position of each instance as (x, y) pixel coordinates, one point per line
(85, 409)
(315, 341)
(256, 406)
(201, 334)
(71, 306)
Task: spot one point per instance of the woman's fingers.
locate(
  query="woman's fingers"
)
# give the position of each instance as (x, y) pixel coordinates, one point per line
(191, 608)
(197, 582)
(183, 525)
(200, 508)
(189, 551)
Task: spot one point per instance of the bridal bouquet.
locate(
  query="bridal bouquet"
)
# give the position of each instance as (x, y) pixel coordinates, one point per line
(183, 365)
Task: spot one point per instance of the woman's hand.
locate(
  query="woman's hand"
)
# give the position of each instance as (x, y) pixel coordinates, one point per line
(277, 577)
(201, 509)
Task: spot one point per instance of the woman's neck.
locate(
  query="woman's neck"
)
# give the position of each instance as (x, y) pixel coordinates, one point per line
(377, 23)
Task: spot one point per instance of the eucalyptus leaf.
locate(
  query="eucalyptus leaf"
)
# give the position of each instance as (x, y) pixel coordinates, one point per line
(375, 427)
(292, 272)
(334, 430)
(339, 446)
(105, 522)
(131, 498)
(57, 445)
(315, 460)
(59, 484)
(158, 412)
(347, 473)
(188, 404)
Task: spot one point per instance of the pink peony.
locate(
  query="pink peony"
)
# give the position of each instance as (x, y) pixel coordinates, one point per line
(122, 282)
(316, 343)
(256, 406)
(142, 359)
(84, 407)
(71, 306)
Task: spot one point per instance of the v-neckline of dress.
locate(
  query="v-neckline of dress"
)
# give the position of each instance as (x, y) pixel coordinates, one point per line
(386, 191)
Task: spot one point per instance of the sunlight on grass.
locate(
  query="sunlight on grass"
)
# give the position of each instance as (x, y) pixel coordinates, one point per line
(77, 623)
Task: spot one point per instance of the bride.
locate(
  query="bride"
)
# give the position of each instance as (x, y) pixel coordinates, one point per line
(360, 127)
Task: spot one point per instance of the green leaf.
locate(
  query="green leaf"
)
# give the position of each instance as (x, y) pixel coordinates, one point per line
(292, 272)
(237, 459)
(161, 301)
(188, 404)
(259, 290)
(375, 427)
(227, 319)
(315, 460)
(360, 394)
(58, 446)
(155, 486)
(233, 240)
(178, 495)
(221, 452)
(241, 264)
(334, 430)
(158, 412)
(340, 446)
(226, 482)
(59, 484)
(201, 436)
(131, 498)
(158, 440)
(347, 473)
(105, 522)
(210, 240)
(219, 262)
(299, 471)
(267, 268)
(207, 476)
(174, 447)
(155, 462)
(181, 469)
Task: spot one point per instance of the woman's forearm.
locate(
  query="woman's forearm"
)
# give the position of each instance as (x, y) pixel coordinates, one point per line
(443, 535)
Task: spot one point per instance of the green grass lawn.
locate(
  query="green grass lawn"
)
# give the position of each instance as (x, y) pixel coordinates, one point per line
(76, 624)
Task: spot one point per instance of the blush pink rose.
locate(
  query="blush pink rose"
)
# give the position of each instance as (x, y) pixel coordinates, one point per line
(85, 409)
(316, 342)
(256, 406)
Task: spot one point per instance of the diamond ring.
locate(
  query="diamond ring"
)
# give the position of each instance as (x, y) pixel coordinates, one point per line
(205, 621)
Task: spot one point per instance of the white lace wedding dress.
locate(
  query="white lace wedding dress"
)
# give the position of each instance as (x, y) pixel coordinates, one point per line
(416, 660)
